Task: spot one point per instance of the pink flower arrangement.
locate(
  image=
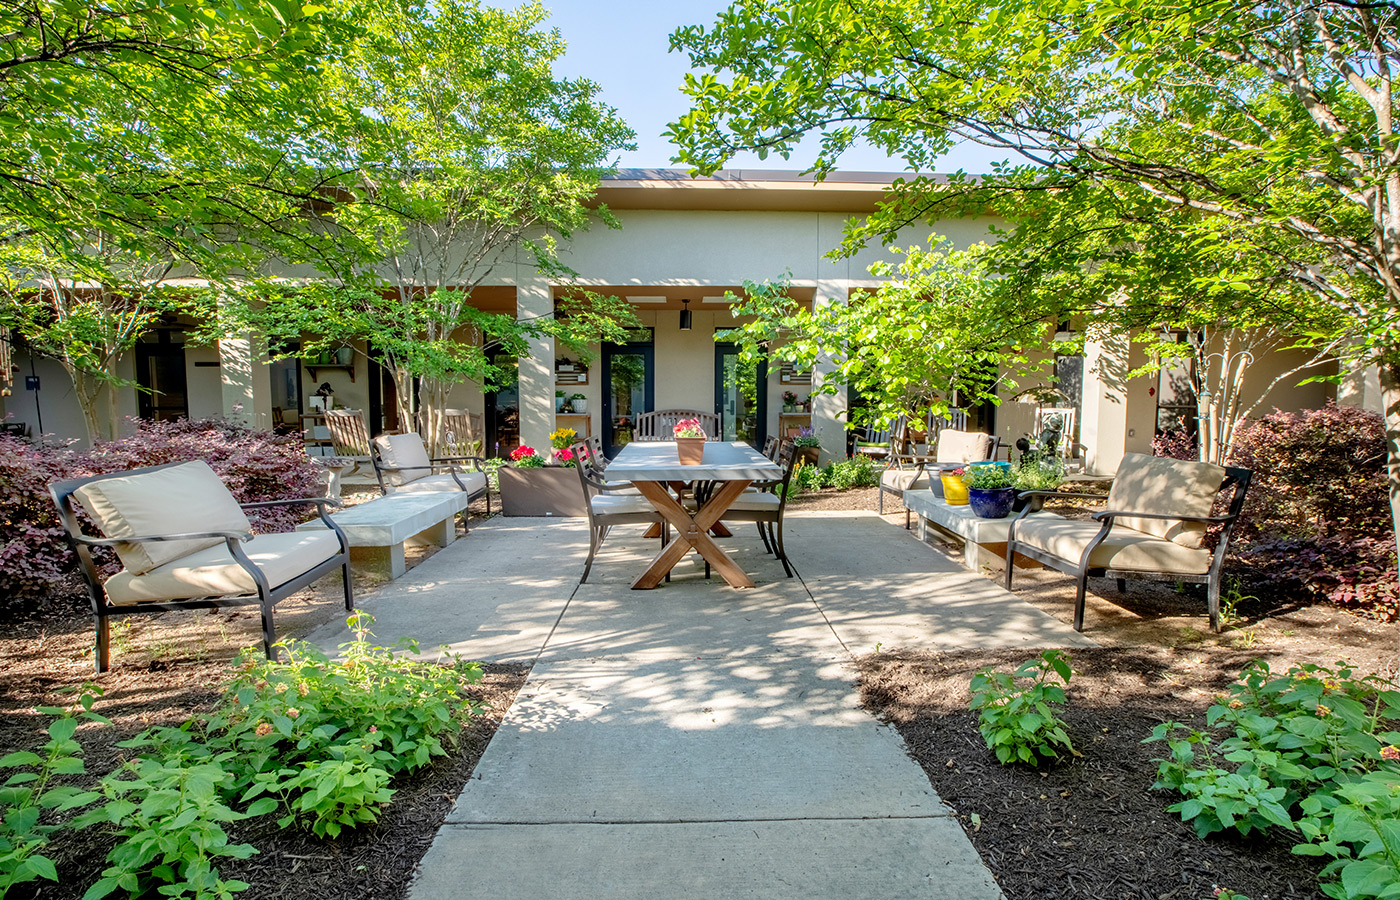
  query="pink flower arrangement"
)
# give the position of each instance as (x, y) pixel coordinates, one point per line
(689, 428)
(526, 458)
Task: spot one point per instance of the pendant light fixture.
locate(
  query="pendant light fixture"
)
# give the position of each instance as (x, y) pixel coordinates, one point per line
(685, 315)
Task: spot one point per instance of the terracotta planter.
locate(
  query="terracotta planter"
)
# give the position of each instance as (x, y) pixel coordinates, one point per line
(691, 450)
(954, 490)
(547, 491)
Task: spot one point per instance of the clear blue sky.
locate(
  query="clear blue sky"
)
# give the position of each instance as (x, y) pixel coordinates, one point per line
(622, 45)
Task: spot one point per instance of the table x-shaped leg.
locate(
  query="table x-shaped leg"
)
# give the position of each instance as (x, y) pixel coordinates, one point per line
(719, 529)
(694, 532)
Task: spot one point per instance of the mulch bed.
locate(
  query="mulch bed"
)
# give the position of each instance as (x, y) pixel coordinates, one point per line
(1086, 826)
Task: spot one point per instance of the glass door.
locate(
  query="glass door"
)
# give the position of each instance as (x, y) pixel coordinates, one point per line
(160, 373)
(740, 399)
(627, 390)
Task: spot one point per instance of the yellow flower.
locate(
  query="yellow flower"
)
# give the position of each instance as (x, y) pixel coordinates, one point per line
(303, 689)
(1236, 704)
(263, 729)
(293, 713)
(1323, 710)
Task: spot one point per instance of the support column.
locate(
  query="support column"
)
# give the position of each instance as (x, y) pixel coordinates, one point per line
(1119, 415)
(246, 381)
(534, 299)
(833, 285)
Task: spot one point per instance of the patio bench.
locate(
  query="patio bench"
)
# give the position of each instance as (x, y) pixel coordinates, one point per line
(983, 540)
(1154, 527)
(378, 529)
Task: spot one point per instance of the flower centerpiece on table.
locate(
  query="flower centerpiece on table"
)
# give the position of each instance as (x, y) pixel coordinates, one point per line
(690, 442)
(689, 428)
(526, 458)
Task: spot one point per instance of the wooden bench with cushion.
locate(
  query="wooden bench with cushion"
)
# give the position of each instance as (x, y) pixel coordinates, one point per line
(1154, 527)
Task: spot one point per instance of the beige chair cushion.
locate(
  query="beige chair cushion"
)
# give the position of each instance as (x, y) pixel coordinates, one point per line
(212, 572)
(475, 482)
(757, 503)
(1158, 484)
(1122, 549)
(614, 504)
(404, 451)
(178, 500)
(963, 446)
(903, 479)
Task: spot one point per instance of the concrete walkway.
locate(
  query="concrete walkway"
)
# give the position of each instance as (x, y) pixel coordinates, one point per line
(696, 740)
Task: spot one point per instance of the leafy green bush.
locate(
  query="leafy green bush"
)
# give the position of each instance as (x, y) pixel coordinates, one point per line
(858, 471)
(805, 478)
(27, 795)
(1020, 723)
(317, 740)
(1037, 474)
(169, 814)
(325, 737)
(1312, 751)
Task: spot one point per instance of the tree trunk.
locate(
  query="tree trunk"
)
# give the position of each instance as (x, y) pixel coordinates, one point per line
(1390, 397)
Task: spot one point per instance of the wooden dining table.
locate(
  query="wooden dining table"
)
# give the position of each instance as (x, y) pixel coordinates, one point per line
(725, 470)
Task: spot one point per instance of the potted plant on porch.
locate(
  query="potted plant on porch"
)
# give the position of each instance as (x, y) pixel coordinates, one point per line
(1035, 474)
(990, 491)
(534, 486)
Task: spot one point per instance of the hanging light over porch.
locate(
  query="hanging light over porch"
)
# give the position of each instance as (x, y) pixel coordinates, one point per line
(685, 315)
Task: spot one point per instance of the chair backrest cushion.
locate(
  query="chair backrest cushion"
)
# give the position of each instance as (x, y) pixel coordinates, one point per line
(174, 500)
(1159, 484)
(403, 451)
(963, 446)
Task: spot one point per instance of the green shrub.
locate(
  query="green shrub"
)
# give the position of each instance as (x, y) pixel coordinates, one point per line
(169, 814)
(325, 737)
(856, 472)
(27, 795)
(1020, 723)
(1312, 751)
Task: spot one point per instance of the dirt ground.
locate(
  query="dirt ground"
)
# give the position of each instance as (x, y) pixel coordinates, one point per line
(1088, 827)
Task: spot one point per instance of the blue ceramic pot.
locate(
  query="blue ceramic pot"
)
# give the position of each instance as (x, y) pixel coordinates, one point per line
(991, 503)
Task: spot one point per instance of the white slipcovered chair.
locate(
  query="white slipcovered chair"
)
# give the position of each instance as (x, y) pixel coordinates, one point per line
(185, 543)
(1153, 527)
(402, 465)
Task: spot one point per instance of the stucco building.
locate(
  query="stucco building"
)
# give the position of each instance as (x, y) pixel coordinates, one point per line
(683, 243)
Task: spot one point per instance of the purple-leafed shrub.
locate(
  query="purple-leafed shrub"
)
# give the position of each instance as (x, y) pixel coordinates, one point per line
(36, 566)
(35, 561)
(1353, 573)
(1177, 444)
(1317, 473)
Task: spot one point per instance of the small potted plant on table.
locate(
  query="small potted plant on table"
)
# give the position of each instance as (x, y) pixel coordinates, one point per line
(989, 491)
(954, 486)
(690, 442)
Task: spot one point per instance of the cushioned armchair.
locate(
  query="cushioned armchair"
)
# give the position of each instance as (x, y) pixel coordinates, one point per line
(1154, 527)
(402, 465)
(185, 543)
(909, 472)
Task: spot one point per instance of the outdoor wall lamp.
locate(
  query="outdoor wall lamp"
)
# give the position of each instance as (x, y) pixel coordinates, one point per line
(685, 315)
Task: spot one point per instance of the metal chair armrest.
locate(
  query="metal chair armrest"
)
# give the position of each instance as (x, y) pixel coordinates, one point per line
(1129, 514)
(190, 536)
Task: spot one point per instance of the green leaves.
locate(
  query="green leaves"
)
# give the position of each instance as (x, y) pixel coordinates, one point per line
(1019, 723)
(1312, 751)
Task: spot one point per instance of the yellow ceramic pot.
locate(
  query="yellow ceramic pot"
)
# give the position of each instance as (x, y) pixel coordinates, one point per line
(954, 490)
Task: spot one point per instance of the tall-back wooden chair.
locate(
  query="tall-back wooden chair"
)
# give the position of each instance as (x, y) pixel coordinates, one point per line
(349, 433)
(660, 425)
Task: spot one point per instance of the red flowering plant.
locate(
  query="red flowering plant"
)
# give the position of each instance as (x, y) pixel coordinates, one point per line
(689, 428)
(526, 458)
(565, 458)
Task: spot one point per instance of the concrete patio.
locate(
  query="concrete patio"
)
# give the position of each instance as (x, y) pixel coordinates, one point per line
(696, 740)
